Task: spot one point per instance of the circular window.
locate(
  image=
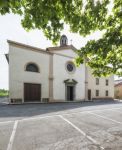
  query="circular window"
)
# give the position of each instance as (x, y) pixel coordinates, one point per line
(70, 67)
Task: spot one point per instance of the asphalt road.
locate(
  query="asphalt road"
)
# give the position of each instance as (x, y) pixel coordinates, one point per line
(61, 126)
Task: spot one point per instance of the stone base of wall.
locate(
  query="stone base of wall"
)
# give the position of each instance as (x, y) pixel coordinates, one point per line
(103, 98)
(62, 100)
(16, 101)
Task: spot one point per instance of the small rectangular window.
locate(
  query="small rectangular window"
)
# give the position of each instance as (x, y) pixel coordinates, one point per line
(106, 82)
(97, 92)
(106, 93)
(97, 81)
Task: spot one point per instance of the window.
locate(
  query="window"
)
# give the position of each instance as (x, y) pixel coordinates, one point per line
(32, 67)
(70, 67)
(97, 81)
(97, 92)
(106, 82)
(106, 93)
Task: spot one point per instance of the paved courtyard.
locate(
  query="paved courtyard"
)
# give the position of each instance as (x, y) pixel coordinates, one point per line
(61, 126)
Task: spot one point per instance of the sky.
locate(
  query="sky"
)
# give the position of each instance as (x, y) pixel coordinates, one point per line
(11, 29)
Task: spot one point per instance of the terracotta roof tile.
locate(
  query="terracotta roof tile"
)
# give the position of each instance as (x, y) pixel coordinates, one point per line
(118, 84)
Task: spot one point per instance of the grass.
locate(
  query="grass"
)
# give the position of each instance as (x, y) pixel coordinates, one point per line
(3, 93)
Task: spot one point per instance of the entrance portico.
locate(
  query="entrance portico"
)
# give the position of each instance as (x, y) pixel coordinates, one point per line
(70, 89)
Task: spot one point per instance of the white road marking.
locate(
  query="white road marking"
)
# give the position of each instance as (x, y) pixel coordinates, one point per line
(88, 111)
(57, 115)
(107, 118)
(117, 111)
(42, 117)
(38, 118)
(12, 136)
(29, 118)
(4, 122)
(82, 132)
(104, 109)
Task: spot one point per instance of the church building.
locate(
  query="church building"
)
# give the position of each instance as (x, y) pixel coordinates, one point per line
(50, 75)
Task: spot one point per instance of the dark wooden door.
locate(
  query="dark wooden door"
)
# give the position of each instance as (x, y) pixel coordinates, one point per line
(89, 94)
(32, 92)
(70, 93)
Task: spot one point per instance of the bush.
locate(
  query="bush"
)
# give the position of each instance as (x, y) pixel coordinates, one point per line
(3, 93)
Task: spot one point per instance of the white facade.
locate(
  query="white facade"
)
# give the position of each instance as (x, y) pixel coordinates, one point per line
(18, 58)
(61, 74)
(102, 87)
(56, 82)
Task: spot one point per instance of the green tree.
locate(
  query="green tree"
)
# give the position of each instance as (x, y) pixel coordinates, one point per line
(104, 56)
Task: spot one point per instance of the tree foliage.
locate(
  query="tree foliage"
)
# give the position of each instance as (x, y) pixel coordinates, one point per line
(3, 93)
(84, 17)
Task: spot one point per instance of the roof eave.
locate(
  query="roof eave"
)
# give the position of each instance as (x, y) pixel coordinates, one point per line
(61, 48)
(7, 57)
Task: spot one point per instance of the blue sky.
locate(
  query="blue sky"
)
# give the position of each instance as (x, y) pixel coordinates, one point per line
(10, 28)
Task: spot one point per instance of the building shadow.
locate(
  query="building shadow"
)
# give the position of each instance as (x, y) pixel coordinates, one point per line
(33, 110)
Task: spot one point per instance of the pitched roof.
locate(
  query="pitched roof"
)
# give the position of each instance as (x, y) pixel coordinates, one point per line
(119, 80)
(48, 50)
(118, 84)
(28, 47)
